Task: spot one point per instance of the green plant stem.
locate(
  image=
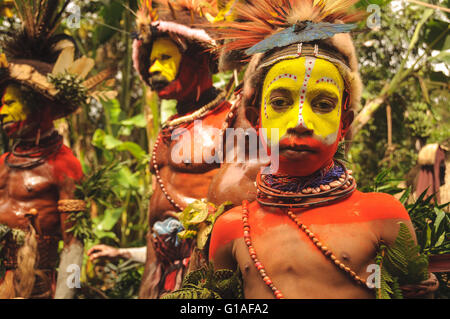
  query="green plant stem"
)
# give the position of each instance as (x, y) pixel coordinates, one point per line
(124, 224)
(126, 93)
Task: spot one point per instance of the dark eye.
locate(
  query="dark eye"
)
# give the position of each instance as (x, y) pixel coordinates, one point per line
(280, 99)
(9, 102)
(165, 57)
(324, 104)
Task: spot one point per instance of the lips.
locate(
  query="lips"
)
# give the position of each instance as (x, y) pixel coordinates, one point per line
(158, 86)
(8, 124)
(298, 148)
(296, 144)
(158, 82)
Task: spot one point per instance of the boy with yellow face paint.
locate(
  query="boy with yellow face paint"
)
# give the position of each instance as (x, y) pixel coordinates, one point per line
(310, 233)
(174, 57)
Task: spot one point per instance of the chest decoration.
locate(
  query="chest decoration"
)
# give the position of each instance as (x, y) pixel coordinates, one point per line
(28, 155)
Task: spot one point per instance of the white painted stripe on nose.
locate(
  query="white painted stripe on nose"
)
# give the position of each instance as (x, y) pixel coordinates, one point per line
(309, 65)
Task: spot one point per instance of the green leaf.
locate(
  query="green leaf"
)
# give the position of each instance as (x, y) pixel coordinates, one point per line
(137, 121)
(111, 14)
(203, 235)
(194, 213)
(434, 30)
(113, 110)
(401, 264)
(100, 234)
(133, 148)
(98, 138)
(440, 215)
(125, 179)
(110, 142)
(110, 218)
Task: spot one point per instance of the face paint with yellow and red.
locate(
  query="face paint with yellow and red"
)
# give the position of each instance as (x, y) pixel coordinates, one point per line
(13, 111)
(303, 98)
(165, 61)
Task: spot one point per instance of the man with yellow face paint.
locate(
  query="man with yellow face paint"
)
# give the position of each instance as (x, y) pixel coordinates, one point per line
(174, 57)
(310, 233)
(39, 174)
(165, 59)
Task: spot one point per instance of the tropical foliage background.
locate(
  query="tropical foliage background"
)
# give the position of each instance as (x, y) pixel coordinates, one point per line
(404, 60)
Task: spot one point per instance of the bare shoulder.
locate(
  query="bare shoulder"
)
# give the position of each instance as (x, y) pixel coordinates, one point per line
(387, 212)
(382, 206)
(227, 228)
(66, 165)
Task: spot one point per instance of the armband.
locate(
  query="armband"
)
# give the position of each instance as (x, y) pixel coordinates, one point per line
(71, 205)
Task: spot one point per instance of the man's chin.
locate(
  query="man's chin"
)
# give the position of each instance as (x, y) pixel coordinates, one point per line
(13, 130)
(159, 86)
(10, 128)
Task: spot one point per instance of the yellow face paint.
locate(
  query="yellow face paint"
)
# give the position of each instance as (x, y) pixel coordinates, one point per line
(13, 106)
(305, 91)
(165, 59)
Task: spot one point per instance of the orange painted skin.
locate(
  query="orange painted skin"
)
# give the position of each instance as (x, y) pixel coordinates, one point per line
(352, 229)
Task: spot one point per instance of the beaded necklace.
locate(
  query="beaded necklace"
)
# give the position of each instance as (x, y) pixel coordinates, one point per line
(201, 112)
(167, 132)
(322, 188)
(35, 154)
(269, 196)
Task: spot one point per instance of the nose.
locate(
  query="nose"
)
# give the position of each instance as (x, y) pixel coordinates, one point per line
(2, 116)
(300, 130)
(155, 68)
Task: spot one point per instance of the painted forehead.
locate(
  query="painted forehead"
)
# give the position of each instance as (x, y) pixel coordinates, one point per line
(162, 45)
(304, 71)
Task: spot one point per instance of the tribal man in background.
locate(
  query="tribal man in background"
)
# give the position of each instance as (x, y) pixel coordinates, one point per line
(175, 59)
(38, 177)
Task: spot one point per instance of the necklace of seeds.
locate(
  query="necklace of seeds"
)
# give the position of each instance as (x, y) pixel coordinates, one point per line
(323, 248)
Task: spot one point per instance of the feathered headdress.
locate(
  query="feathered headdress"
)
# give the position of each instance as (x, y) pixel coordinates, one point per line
(268, 31)
(262, 25)
(180, 20)
(38, 58)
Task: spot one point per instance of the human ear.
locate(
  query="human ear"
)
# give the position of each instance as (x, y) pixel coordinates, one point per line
(252, 115)
(347, 120)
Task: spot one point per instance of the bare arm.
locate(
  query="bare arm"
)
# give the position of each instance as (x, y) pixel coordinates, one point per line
(227, 229)
(138, 254)
(71, 258)
(389, 233)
